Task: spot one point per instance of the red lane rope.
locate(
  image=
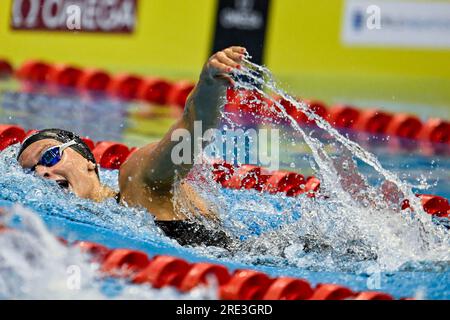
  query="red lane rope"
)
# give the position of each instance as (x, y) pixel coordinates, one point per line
(161, 271)
(154, 90)
(111, 155)
(373, 121)
(6, 69)
(293, 184)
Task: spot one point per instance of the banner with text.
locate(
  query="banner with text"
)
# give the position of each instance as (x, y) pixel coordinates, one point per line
(396, 24)
(105, 16)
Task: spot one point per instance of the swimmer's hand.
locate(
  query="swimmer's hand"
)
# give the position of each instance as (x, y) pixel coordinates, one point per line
(147, 178)
(205, 101)
(220, 65)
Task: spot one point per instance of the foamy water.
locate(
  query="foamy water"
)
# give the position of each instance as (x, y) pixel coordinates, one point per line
(35, 265)
(348, 227)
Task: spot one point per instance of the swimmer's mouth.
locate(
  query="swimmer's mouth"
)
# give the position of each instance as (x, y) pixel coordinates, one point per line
(63, 184)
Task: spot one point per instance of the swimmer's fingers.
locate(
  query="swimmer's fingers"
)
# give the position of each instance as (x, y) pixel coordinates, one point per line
(238, 49)
(237, 57)
(228, 59)
(221, 64)
(219, 70)
(215, 66)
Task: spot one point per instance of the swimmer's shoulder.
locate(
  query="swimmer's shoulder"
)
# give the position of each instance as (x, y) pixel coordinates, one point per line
(131, 172)
(134, 166)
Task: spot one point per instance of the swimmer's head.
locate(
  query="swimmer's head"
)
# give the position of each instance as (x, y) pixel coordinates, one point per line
(72, 167)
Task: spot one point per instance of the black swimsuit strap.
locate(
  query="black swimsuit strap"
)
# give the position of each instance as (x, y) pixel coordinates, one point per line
(190, 233)
(117, 197)
(193, 233)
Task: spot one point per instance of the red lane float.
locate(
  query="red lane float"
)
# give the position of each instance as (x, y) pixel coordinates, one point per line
(64, 75)
(288, 289)
(258, 105)
(373, 121)
(316, 106)
(404, 126)
(10, 134)
(250, 103)
(179, 93)
(110, 155)
(254, 177)
(312, 185)
(94, 80)
(163, 271)
(124, 262)
(161, 91)
(371, 295)
(243, 100)
(436, 131)
(243, 105)
(124, 86)
(331, 292)
(6, 70)
(35, 71)
(435, 205)
(343, 116)
(222, 171)
(232, 104)
(248, 177)
(97, 251)
(290, 109)
(203, 273)
(285, 181)
(293, 184)
(89, 142)
(154, 90)
(245, 285)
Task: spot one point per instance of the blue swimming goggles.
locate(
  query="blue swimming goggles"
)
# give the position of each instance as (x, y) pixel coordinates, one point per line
(53, 155)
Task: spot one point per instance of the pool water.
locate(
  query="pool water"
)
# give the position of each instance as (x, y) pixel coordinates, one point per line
(279, 252)
(334, 240)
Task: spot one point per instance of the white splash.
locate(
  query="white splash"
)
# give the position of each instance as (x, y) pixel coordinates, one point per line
(36, 265)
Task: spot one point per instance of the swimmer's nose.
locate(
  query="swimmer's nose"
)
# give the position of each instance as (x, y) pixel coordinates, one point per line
(45, 172)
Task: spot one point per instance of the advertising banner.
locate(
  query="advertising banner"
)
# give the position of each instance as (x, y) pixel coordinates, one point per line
(396, 24)
(244, 23)
(105, 16)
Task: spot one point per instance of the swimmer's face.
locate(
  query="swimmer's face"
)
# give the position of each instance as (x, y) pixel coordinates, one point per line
(73, 172)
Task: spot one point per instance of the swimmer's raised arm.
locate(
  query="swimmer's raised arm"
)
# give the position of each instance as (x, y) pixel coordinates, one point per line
(152, 164)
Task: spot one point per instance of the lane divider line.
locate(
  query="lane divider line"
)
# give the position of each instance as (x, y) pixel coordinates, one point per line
(250, 103)
(111, 155)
